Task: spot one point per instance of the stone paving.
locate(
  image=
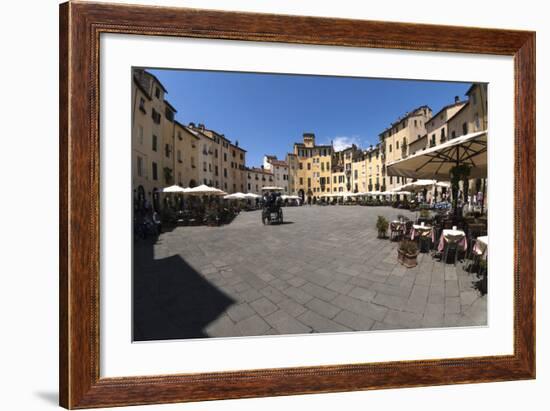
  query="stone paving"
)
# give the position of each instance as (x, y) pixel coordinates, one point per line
(324, 270)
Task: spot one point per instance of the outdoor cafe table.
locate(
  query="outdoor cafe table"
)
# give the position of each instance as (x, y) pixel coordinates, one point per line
(419, 230)
(480, 246)
(398, 225)
(457, 236)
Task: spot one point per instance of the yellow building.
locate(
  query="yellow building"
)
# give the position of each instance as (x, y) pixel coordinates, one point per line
(395, 142)
(312, 176)
(373, 167)
(292, 161)
(472, 117)
(437, 127)
(148, 128)
(186, 156)
(221, 163)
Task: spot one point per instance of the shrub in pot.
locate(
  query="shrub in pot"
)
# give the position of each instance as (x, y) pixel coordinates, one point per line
(407, 253)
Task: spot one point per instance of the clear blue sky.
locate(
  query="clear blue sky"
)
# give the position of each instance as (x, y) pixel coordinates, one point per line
(267, 113)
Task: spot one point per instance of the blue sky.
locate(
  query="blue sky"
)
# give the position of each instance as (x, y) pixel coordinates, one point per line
(267, 113)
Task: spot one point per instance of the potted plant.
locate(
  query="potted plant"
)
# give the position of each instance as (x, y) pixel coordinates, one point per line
(382, 226)
(407, 253)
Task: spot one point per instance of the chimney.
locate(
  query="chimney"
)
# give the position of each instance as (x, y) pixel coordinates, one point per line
(192, 125)
(457, 99)
(201, 126)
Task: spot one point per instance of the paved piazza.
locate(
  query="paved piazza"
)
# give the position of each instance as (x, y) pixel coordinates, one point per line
(324, 270)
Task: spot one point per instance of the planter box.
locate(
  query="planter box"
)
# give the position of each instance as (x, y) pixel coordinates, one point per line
(408, 260)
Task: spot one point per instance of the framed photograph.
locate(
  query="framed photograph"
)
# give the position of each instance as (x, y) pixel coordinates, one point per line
(258, 205)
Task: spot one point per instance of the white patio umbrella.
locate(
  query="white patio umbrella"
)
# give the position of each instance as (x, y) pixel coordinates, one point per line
(205, 190)
(252, 195)
(174, 189)
(272, 188)
(235, 196)
(418, 185)
(437, 162)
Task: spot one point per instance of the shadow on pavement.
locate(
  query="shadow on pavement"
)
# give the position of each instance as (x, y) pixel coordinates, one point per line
(171, 300)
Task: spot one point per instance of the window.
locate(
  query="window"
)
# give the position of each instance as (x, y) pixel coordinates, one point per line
(391, 179)
(179, 178)
(474, 98)
(464, 128)
(155, 171)
(216, 153)
(155, 142)
(167, 150)
(224, 156)
(415, 123)
(157, 92)
(216, 171)
(477, 121)
(301, 166)
(432, 141)
(225, 172)
(397, 145)
(442, 139)
(234, 154)
(142, 105)
(139, 166)
(309, 166)
(309, 182)
(204, 166)
(179, 136)
(140, 135)
(248, 186)
(169, 114)
(241, 155)
(453, 134)
(355, 174)
(155, 115)
(179, 156)
(301, 181)
(390, 148)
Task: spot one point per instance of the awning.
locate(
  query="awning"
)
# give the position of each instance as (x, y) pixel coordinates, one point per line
(436, 162)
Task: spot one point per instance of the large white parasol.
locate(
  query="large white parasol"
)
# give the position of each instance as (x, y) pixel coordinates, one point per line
(205, 190)
(437, 162)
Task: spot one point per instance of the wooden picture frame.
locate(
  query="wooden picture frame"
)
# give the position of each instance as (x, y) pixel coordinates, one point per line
(80, 27)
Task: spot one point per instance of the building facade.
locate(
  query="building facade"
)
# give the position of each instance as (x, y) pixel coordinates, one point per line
(166, 152)
(280, 171)
(149, 126)
(472, 117)
(395, 142)
(257, 178)
(312, 175)
(221, 163)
